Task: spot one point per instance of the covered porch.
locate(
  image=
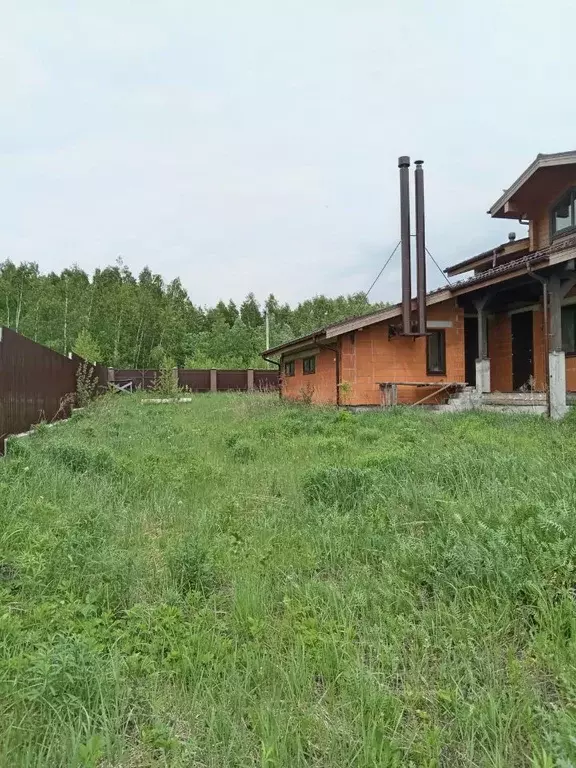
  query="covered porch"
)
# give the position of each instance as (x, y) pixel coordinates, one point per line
(520, 338)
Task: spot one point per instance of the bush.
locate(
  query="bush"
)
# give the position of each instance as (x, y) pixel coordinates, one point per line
(86, 384)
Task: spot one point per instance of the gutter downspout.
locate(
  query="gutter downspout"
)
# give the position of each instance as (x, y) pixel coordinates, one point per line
(269, 360)
(544, 284)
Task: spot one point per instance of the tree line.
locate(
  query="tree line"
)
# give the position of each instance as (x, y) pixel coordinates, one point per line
(128, 321)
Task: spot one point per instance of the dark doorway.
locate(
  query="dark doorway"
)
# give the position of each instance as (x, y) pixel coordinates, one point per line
(470, 349)
(522, 350)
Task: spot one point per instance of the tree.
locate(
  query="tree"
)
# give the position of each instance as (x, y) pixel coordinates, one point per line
(126, 321)
(87, 347)
(250, 312)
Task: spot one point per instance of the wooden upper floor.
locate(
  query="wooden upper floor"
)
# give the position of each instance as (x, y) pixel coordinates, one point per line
(544, 197)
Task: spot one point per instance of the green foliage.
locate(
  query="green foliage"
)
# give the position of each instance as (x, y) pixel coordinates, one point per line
(166, 384)
(87, 347)
(380, 589)
(125, 321)
(86, 384)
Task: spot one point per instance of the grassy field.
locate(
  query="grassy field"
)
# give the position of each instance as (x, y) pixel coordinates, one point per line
(234, 582)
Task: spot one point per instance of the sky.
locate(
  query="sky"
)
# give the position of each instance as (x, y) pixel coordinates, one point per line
(252, 145)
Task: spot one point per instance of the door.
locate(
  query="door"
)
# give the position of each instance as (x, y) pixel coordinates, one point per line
(470, 349)
(522, 350)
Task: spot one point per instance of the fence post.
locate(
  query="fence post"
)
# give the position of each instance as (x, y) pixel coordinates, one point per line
(111, 376)
(250, 379)
(175, 377)
(213, 380)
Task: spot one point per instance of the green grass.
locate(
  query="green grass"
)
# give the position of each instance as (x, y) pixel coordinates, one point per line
(234, 582)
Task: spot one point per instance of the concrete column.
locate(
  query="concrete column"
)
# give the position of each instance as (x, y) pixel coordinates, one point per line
(110, 375)
(175, 377)
(250, 379)
(213, 380)
(483, 375)
(555, 294)
(557, 384)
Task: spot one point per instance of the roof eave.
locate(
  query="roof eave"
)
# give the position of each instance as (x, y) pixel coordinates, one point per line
(541, 161)
(295, 344)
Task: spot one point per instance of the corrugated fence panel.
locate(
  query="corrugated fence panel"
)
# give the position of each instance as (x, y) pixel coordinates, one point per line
(266, 379)
(194, 380)
(36, 384)
(141, 379)
(228, 380)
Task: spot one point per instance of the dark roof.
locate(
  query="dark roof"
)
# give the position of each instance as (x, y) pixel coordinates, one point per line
(452, 290)
(498, 249)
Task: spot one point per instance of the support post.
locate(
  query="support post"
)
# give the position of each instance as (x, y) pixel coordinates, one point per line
(213, 380)
(250, 379)
(110, 377)
(555, 300)
(557, 383)
(175, 377)
(483, 361)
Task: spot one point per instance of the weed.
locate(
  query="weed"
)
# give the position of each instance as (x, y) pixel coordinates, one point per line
(86, 384)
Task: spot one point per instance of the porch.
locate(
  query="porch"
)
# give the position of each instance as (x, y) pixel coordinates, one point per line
(520, 338)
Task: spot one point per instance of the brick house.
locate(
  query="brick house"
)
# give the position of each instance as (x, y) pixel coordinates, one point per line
(509, 327)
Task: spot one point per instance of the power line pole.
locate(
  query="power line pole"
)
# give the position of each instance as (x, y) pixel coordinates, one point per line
(267, 322)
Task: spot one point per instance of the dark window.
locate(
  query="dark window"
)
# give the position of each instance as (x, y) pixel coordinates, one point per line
(290, 368)
(309, 365)
(569, 329)
(563, 214)
(436, 352)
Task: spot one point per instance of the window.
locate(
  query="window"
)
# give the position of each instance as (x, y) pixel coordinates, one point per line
(290, 368)
(569, 329)
(563, 214)
(309, 365)
(436, 352)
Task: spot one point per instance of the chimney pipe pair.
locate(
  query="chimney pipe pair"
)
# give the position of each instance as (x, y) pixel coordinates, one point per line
(404, 165)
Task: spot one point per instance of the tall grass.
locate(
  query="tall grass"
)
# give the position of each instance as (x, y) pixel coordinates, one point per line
(237, 582)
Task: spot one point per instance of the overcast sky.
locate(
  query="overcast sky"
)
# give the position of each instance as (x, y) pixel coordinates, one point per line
(252, 144)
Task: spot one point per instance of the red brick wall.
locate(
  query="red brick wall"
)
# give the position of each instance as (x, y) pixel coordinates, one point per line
(500, 350)
(369, 357)
(321, 385)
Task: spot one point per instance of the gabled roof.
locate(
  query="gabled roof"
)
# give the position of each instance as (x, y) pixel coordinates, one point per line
(504, 207)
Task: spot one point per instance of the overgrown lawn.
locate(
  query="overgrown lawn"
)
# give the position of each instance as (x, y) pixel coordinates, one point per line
(237, 582)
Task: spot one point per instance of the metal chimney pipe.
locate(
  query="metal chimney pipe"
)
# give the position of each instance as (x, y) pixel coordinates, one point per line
(404, 165)
(420, 247)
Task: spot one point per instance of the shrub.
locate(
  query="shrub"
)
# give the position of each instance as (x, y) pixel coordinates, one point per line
(86, 384)
(166, 384)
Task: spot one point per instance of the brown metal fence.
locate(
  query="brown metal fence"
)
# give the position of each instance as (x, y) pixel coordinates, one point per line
(140, 379)
(201, 379)
(36, 384)
(266, 380)
(194, 380)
